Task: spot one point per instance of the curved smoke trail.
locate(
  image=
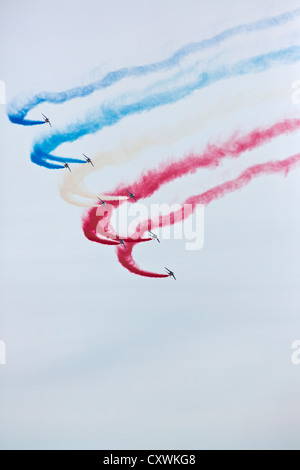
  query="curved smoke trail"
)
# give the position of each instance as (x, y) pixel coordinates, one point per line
(107, 115)
(110, 114)
(72, 187)
(272, 167)
(151, 181)
(17, 114)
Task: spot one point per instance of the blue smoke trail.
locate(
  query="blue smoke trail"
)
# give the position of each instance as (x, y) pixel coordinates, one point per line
(18, 115)
(109, 115)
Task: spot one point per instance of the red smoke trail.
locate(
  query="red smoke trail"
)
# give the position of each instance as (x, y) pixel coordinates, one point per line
(96, 225)
(126, 260)
(152, 180)
(91, 220)
(272, 167)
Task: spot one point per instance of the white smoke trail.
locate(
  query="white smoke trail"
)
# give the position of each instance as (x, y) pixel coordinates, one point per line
(72, 188)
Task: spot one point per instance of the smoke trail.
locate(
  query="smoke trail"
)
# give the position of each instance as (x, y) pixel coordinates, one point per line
(72, 184)
(91, 220)
(110, 115)
(268, 168)
(126, 260)
(97, 227)
(150, 181)
(18, 114)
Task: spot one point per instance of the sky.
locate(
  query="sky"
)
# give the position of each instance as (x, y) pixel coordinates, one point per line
(97, 357)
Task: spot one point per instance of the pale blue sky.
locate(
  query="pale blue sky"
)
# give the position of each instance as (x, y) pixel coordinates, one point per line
(98, 357)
